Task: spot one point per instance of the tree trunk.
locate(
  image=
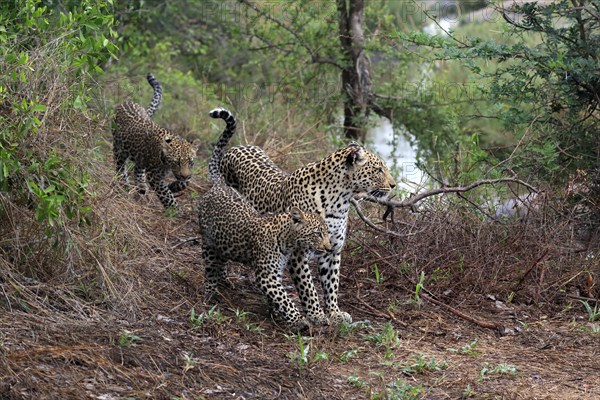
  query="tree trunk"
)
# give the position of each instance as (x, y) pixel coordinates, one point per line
(356, 78)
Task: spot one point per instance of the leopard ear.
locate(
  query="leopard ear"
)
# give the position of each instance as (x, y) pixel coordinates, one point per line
(357, 156)
(297, 215)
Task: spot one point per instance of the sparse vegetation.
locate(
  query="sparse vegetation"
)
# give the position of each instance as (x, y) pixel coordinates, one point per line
(593, 312)
(500, 369)
(468, 349)
(127, 338)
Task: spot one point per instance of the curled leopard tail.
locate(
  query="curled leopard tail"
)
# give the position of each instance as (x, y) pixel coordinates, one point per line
(219, 148)
(156, 97)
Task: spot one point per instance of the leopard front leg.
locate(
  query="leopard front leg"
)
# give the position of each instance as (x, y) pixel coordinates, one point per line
(302, 278)
(179, 185)
(269, 280)
(140, 179)
(120, 156)
(329, 273)
(155, 179)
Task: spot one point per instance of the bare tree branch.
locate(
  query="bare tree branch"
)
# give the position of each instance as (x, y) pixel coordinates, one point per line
(413, 200)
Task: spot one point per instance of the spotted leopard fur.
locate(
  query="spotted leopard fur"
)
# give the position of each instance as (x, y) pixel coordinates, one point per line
(154, 150)
(234, 231)
(326, 185)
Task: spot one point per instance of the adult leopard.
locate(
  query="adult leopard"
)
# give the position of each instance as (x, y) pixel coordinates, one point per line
(232, 230)
(326, 185)
(154, 150)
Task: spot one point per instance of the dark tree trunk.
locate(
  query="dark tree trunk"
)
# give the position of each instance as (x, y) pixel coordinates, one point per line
(356, 79)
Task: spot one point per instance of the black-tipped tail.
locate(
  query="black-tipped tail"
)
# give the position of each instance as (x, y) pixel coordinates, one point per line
(219, 148)
(156, 97)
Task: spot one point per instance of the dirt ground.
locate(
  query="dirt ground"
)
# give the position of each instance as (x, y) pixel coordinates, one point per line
(397, 347)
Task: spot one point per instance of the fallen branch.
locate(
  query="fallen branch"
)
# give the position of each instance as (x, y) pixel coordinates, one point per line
(428, 296)
(483, 324)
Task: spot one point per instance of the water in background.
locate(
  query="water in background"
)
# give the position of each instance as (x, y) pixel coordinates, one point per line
(395, 149)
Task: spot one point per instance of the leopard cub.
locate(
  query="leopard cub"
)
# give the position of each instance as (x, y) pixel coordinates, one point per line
(232, 230)
(154, 150)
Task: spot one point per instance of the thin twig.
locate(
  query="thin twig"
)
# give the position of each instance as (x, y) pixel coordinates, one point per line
(196, 238)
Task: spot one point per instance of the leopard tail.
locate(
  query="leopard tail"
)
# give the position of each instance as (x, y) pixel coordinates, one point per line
(214, 173)
(156, 97)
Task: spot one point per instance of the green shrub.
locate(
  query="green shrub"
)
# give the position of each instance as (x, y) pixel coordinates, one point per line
(48, 56)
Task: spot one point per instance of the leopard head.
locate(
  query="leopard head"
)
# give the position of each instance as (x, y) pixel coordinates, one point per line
(310, 230)
(366, 172)
(179, 154)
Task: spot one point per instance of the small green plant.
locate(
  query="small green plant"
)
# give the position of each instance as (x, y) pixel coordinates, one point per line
(418, 287)
(387, 338)
(320, 356)
(378, 276)
(593, 312)
(195, 320)
(357, 381)
(189, 362)
(301, 356)
(469, 392)
(212, 315)
(127, 338)
(348, 355)
(404, 267)
(241, 317)
(402, 390)
(500, 369)
(347, 327)
(468, 349)
(421, 365)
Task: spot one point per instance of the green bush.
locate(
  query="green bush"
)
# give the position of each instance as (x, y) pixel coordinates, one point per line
(48, 56)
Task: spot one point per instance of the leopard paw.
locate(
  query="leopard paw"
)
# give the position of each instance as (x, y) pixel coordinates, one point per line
(338, 317)
(299, 326)
(319, 319)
